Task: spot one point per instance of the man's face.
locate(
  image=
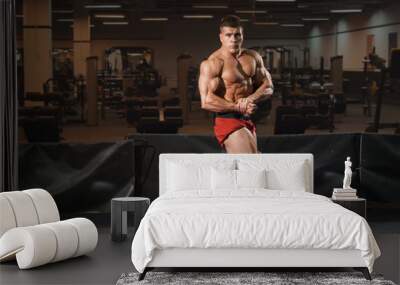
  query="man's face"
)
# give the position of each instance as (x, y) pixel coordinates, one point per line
(231, 38)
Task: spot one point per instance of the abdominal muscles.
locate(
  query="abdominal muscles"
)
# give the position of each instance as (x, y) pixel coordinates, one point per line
(237, 90)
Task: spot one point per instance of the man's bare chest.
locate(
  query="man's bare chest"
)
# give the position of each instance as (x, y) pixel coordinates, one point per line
(238, 71)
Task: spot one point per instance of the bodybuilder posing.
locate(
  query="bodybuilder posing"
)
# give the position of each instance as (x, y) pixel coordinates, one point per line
(232, 81)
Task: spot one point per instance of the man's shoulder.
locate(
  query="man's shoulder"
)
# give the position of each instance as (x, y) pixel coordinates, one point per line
(213, 63)
(252, 53)
(216, 58)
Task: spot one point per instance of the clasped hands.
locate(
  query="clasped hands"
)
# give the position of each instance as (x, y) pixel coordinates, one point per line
(246, 106)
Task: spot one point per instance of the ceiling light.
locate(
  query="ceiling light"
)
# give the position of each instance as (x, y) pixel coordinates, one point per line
(116, 23)
(110, 16)
(135, 54)
(315, 19)
(251, 12)
(63, 11)
(275, 0)
(159, 19)
(244, 20)
(346, 11)
(198, 16)
(292, 25)
(266, 23)
(210, 6)
(103, 6)
(72, 26)
(65, 20)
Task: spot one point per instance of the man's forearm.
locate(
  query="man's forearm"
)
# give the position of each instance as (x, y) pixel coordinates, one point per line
(263, 92)
(215, 103)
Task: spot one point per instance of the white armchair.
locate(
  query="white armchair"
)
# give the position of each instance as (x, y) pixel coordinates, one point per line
(31, 230)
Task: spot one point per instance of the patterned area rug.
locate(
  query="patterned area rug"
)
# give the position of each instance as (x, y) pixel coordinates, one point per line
(243, 278)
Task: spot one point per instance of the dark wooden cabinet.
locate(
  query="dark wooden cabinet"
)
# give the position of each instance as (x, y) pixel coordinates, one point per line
(357, 205)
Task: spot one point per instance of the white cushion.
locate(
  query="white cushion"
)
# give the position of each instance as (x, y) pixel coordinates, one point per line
(251, 178)
(26, 208)
(32, 246)
(87, 233)
(225, 179)
(186, 175)
(45, 205)
(31, 232)
(7, 218)
(67, 240)
(248, 161)
(290, 175)
(23, 208)
(40, 244)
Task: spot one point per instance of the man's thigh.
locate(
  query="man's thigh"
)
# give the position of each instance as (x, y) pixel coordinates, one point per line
(241, 141)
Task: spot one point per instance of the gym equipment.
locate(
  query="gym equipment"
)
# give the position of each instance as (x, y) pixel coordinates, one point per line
(70, 98)
(147, 113)
(150, 102)
(288, 120)
(193, 76)
(149, 125)
(337, 74)
(171, 102)
(40, 128)
(306, 57)
(92, 96)
(263, 110)
(133, 107)
(321, 70)
(42, 123)
(395, 64)
(146, 81)
(365, 91)
(379, 62)
(316, 104)
(337, 84)
(48, 99)
(166, 118)
(184, 63)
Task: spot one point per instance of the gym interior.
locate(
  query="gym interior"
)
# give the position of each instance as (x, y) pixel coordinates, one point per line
(103, 87)
(134, 67)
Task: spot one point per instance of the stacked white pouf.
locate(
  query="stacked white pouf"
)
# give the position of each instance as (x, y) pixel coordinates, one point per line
(31, 230)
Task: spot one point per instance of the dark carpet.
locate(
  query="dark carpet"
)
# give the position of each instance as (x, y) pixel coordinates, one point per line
(242, 278)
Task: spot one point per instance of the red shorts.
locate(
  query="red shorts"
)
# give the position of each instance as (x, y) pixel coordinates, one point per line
(225, 126)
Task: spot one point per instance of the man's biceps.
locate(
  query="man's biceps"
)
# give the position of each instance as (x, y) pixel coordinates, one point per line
(213, 84)
(268, 75)
(203, 78)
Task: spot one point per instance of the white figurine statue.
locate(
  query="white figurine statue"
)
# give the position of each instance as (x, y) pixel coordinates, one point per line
(347, 174)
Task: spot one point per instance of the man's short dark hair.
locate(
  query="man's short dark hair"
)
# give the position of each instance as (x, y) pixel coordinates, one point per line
(231, 21)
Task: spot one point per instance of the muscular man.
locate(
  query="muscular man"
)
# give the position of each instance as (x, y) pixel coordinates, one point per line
(232, 81)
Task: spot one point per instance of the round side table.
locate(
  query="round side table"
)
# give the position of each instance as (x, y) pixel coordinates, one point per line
(119, 214)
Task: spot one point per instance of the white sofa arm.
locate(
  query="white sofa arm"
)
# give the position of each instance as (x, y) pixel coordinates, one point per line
(87, 234)
(32, 246)
(40, 244)
(26, 208)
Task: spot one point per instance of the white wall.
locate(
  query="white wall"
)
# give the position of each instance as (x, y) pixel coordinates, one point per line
(352, 44)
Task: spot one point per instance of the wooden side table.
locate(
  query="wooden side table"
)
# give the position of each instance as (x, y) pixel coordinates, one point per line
(357, 205)
(119, 214)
